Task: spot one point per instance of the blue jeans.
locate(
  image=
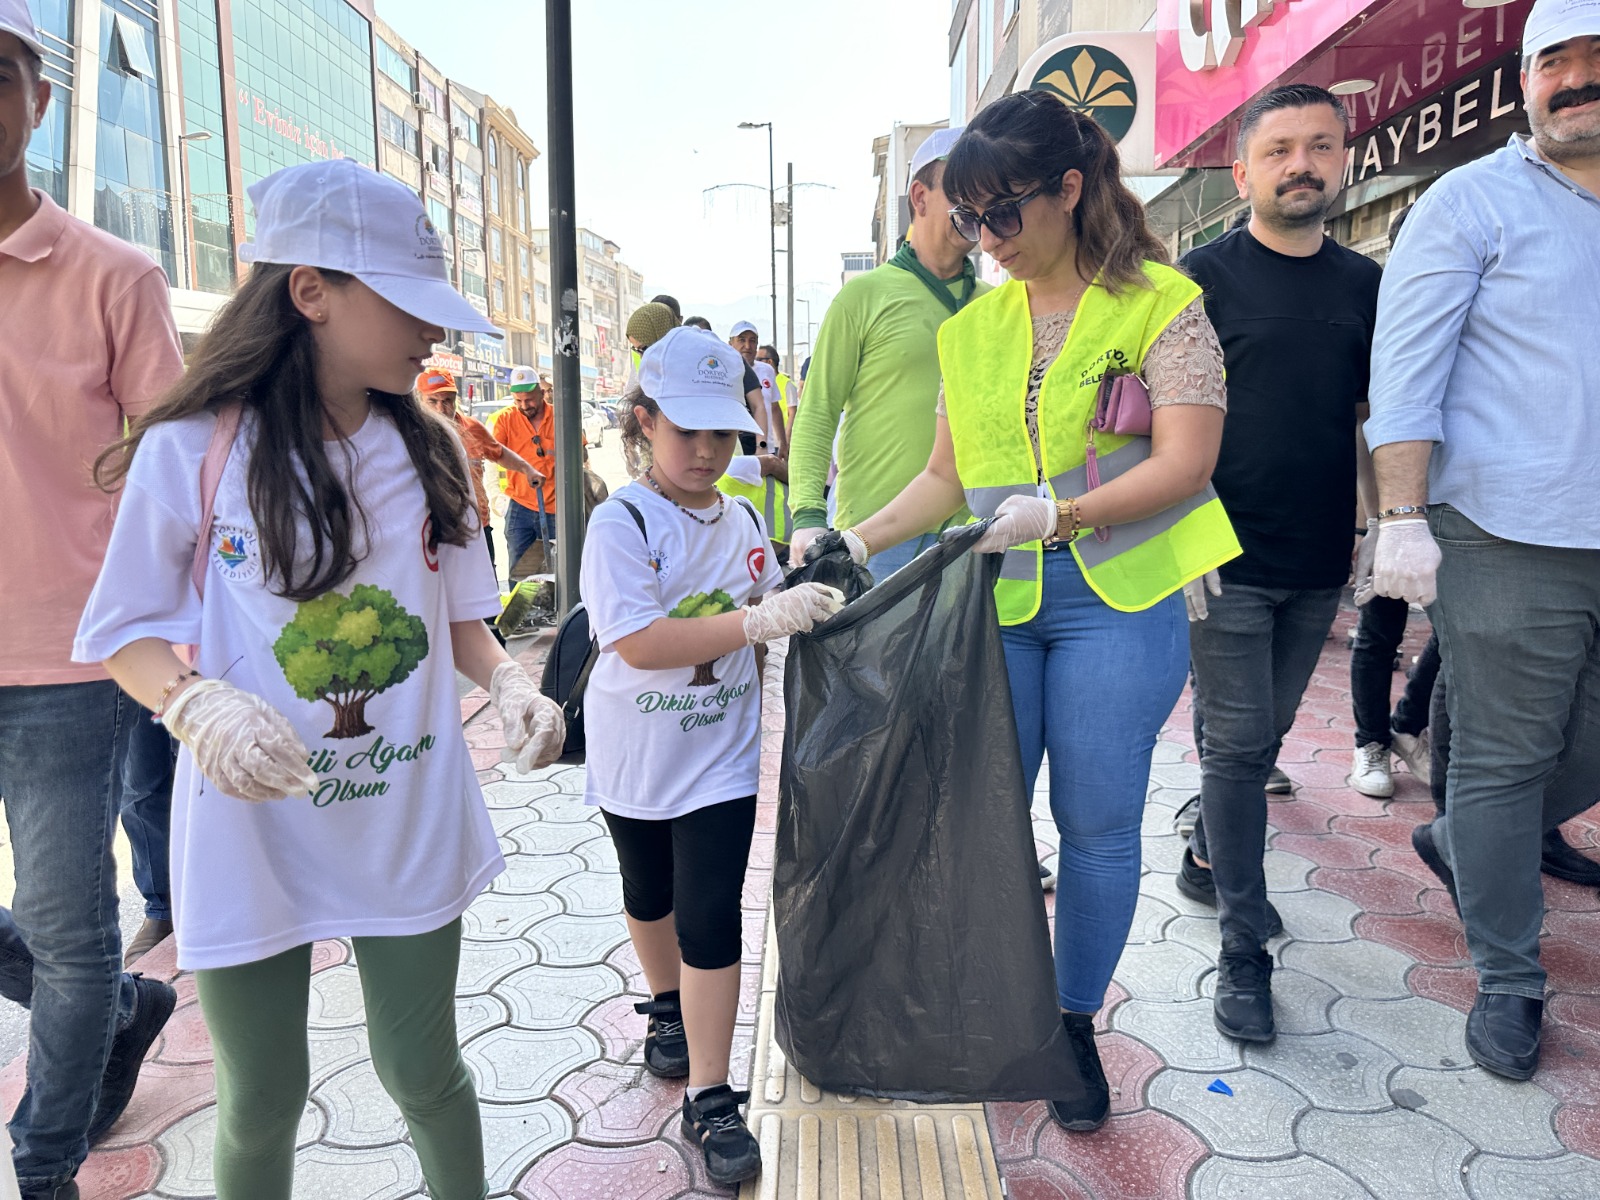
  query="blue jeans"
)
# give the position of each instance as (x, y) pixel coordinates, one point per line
(147, 812)
(1093, 686)
(1517, 628)
(886, 562)
(524, 527)
(1252, 657)
(62, 749)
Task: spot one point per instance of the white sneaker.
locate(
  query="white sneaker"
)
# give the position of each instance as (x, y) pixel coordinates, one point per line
(1369, 771)
(1417, 754)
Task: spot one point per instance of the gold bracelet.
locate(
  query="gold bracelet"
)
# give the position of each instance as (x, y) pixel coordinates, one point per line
(866, 545)
(166, 692)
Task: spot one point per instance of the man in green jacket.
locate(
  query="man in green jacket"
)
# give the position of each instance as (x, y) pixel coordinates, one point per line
(877, 366)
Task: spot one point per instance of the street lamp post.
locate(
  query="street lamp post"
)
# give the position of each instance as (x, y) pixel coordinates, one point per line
(772, 208)
(186, 187)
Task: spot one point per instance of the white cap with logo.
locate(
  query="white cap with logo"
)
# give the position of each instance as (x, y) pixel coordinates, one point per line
(345, 217)
(1555, 21)
(524, 379)
(17, 19)
(697, 381)
(744, 327)
(937, 145)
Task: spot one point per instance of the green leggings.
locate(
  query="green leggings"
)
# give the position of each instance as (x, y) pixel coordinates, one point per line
(257, 1017)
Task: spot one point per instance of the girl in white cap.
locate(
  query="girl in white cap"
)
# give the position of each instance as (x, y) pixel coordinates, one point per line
(672, 573)
(292, 512)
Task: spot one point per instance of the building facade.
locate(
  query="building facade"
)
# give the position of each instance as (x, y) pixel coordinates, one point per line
(509, 155)
(608, 292)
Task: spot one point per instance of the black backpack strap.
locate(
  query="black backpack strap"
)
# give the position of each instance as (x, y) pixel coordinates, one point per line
(638, 517)
(574, 704)
(751, 509)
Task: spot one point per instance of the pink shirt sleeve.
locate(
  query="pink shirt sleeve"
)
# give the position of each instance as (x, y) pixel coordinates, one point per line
(146, 355)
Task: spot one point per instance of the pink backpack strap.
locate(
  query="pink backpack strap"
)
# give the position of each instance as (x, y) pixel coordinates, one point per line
(211, 468)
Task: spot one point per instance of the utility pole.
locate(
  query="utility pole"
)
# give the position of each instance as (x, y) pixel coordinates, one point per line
(564, 279)
(788, 220)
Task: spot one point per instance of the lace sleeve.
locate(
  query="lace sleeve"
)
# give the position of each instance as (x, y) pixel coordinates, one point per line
(1184, 365)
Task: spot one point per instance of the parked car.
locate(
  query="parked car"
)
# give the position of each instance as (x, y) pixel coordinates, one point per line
(594, 424)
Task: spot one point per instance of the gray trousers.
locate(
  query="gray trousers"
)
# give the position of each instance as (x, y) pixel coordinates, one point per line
(1517, 626)
(1252, 658)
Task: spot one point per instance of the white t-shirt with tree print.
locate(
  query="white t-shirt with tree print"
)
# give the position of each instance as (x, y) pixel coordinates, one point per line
(665, 743)
(396, 840)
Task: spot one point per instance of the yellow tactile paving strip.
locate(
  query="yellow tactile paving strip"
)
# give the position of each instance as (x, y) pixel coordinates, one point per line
(818, 1145)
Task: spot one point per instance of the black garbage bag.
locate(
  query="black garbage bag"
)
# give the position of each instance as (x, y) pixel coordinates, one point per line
(914, 958)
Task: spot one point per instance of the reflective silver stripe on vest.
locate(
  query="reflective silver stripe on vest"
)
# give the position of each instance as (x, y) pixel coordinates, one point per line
(1124, 537)
(1017, 563)
(769, 505)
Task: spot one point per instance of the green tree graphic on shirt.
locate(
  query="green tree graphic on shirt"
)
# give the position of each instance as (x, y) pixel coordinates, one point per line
(704, 604)
(347, 649)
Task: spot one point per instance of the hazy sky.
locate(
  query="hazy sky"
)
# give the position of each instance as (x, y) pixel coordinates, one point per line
(660, 87)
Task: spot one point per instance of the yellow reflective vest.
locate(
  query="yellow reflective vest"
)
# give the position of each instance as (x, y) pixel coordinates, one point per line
(772, 497)
(985, 354)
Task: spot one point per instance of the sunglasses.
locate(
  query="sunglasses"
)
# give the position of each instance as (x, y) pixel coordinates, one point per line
(1004, 219)
(538, 446)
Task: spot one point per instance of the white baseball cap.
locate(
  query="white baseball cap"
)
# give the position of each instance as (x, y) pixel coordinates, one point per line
(16, 18)
(345, 217)
(1555, 21)
(524, 379)
(697, 381)
(935, 146)
(743, 327)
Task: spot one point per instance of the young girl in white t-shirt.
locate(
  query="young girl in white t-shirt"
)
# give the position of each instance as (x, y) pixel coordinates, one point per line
(672, 570)
(324, 789)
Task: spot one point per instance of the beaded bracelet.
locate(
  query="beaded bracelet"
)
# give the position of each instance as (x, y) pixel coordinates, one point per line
(166, 694)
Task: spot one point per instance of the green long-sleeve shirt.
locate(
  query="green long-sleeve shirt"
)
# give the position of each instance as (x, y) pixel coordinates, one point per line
(877, 363)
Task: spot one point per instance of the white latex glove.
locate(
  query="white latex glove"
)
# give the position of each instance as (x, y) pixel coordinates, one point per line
(793, 611)
(240, 742)
(534, 727)
(1406, 562)
(801, 539)
(1362, 574)
(1019, 519)
(857, 547)
(1194, 595)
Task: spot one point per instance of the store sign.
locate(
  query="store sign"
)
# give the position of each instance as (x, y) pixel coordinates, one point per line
(443, 360)
(1466, 119)
(263, 113)
(1109, 77)
(1211, 33)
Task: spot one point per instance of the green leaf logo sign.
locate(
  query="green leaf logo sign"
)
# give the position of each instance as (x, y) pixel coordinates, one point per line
(1095, 82)
(347, 649)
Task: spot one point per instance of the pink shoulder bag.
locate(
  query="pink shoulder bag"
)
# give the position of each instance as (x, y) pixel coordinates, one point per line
(211, 467)
(1121, 407)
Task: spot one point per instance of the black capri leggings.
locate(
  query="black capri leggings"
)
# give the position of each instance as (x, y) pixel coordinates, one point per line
(692, 867)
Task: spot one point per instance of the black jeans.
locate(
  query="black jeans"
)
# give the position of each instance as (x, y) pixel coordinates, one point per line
(692, 868)
(1378, 635)
(1252, 658)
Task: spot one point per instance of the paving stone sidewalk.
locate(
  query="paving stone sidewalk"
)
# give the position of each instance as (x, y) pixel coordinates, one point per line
(1367, 1092)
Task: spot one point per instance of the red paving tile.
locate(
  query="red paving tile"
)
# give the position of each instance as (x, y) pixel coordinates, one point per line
(1578, 1127)
(1375, 889)
(1014, 1127)
(1569, 1063)
(1129, 1065)
(1426, 938)
(1581, 1012)
(1381, 830)
(165, 1096)
(185, 1039)
(1455, 986)
(617, 1106)
(1572, 967)
(1144, 1156)
(619, 1028)
(1326, 850)
(1305, 817)
(120, 1174)
(1038, 1179)
(579, 1172)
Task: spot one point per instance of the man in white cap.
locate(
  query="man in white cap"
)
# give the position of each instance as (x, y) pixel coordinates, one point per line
(1484, 391)
(876, 366)
(746, 339)
(89, 342)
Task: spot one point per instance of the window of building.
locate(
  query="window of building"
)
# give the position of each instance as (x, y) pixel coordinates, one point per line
(1010, 11)
(527, 307)
(472, 282)
(433, 94)
(522, 261)
(857, 262)
(542, 292)
(985, 18)
(436, 156)
(469, 181)
(494, 192)
(497, 246)
(544, 334)
(499, 295)
(441, 216)
(465, 121)
(397, 66)
(132, 195)
(398, 131)
(958, 83)
(470, 232)
(494, 151)
(130, 55)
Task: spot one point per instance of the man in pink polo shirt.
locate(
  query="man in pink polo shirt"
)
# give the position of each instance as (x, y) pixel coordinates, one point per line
(89, 342)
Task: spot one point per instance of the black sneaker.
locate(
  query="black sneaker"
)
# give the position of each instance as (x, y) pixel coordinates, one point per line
(1278, 784)
(1187, 816)
(1047, 878)
(1089, 1113)
(1197, 883)
(1242, 1009)
(153, 1004)
(712, 1121)
(1422, 842)
(666, 1049)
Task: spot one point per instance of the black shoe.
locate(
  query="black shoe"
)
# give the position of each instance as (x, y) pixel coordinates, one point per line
(1242, 1009)
(666, 1049)
(60, 1191)
(1187, 816)
(1090, 1112)
(1278, 784)
(712, 1121)
(1047, 878)
(1503, 1034)
(1197, 883)
(153, 1004)
(1559, 859)
(1422, 843)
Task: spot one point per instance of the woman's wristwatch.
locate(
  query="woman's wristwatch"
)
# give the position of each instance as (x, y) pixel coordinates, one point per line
(1069, 521)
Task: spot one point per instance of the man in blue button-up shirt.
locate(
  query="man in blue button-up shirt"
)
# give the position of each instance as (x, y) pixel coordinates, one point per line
(1486, 411)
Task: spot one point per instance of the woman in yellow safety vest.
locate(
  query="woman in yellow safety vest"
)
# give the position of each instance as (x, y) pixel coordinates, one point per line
(1096, 640)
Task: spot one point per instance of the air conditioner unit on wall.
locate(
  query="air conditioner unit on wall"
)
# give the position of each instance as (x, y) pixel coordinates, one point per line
(428, 168)
(424, 105)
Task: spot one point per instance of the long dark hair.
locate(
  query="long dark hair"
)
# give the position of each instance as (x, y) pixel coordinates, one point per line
(1031, 139)
(636, 454)
(259, 353)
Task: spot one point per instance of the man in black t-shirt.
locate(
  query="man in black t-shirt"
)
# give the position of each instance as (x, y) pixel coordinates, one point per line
(1294, 312)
